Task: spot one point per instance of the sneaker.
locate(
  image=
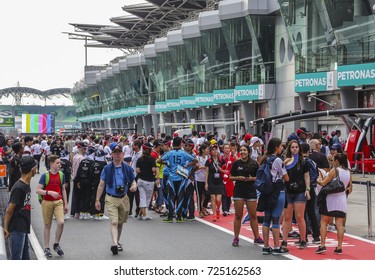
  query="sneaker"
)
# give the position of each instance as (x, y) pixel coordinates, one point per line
(47, 253)
(258, 240)
(146, 218)
(235, 242)
(114, 249)
(168, 220)
(280, 251)
(58, 250)
(180, 220)
(140, 218)
(81, 216)
(294, 234)
(297, 242)
(316, 240)
(321, 249)
(104, 217)
(192, 218)
(225, 214)
(67, 216)
(303, 245)
(267, 251)
(284, 244)
(337, 251)
(165, 214)
(119, 247)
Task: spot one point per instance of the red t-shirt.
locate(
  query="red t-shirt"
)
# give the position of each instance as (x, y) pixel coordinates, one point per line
(54, 184)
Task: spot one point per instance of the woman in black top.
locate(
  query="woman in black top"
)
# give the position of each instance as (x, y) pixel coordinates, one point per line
(244, 172)
(214, 182)
(297, 192)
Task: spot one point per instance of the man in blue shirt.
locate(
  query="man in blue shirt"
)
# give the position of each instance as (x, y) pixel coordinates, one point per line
(176, 159)
(117, 177)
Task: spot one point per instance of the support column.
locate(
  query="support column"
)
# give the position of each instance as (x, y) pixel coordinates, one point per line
(146, 121)
(155, 123)
(208, 115)
(138, 122)
(226, 114)
(248, 113)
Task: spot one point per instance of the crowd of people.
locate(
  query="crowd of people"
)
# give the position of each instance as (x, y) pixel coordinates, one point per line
(113, 177)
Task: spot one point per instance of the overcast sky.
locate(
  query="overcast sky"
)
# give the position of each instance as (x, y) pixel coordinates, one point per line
(33, 50)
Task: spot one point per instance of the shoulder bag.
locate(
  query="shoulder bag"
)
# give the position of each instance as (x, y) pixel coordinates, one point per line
(335, 186)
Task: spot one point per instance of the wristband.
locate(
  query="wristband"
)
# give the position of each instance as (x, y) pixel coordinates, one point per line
(46, 192)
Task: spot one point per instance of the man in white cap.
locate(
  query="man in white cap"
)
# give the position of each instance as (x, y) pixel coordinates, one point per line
(255, 145)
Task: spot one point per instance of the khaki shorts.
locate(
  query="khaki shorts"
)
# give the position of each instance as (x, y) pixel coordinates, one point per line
(50, 208)
(117, 209)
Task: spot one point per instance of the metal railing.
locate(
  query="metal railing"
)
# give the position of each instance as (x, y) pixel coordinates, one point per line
(369, 205)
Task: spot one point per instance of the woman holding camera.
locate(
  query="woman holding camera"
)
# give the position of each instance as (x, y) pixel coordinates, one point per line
(335, 203)
(297, 192)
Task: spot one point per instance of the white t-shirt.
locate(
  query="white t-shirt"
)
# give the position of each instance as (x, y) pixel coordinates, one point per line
(127, 151)
(200, 175)
(36, 149)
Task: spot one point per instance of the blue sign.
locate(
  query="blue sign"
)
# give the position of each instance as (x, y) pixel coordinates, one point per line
(356, 74)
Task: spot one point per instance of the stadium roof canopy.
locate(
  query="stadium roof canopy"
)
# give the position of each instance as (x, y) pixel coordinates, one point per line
(144, 23)
(18, 92)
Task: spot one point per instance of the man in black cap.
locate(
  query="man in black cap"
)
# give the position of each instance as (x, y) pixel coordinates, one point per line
(17, 219)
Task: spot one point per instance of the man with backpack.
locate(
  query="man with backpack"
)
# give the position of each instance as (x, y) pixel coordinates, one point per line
(17, 219)
(310, 205)
(54, 203)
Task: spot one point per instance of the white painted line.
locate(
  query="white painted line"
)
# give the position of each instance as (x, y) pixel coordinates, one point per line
(289, 256)
(38, 250)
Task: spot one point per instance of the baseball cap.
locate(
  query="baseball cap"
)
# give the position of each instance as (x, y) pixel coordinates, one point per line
(335, 146)
(248, 136)
(189, 142)
(116, 147)
(81, 145)
(253, 140)
(27, 163)
(148, 146)
(302, 130)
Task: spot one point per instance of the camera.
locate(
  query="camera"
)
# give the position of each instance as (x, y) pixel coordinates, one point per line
(120, 189)
(294, 186)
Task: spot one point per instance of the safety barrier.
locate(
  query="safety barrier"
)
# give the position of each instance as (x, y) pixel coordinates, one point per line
(369, 205)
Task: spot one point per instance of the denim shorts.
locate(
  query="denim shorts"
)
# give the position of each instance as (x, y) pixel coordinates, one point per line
(292, 198)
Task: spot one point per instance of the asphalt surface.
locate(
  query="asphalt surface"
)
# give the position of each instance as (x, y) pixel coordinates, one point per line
(155, 240)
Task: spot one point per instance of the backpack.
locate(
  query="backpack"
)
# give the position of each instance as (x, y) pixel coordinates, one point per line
(96, 170)
(313, 171)
(263, 181)
(40, 197)
(84, 170)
